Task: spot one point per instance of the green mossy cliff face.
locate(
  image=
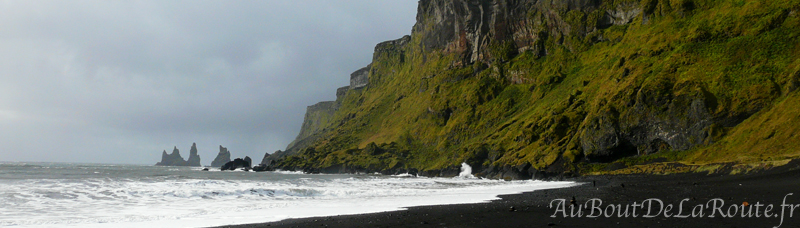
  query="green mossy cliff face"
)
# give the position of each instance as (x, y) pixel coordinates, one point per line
(526, 88)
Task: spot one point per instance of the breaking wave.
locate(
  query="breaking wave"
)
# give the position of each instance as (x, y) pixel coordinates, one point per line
(109, 197)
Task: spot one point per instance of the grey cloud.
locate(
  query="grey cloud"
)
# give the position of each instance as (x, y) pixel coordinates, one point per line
(119, 81)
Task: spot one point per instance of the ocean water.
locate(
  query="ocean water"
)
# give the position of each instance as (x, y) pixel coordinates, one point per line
(92, 195)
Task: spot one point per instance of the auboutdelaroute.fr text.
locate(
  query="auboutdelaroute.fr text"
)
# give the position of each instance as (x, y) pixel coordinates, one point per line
(653, 207)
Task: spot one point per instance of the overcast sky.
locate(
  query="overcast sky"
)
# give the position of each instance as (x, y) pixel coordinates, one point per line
(120, 81)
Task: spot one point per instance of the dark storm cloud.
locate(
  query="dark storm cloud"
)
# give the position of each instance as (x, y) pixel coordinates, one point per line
(119, 81)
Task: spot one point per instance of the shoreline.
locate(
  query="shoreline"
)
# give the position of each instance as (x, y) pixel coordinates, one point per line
(531, 209)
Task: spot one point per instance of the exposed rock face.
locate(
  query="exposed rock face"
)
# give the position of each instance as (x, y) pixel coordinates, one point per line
(194, 158)
(173, 159)
(623, 14)
(222, 157)
(471, 28)
(657, 121)
(359, 78)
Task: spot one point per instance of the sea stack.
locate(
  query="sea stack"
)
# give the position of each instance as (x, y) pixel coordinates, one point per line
(194, 158)
(223, 157)
(173, 159)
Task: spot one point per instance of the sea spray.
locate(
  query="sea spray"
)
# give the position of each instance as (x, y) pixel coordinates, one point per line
(466, 171)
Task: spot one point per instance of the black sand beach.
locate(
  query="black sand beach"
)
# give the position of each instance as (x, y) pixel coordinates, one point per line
(531, 209)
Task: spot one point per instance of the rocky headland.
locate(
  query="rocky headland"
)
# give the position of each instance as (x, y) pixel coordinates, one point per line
(521, 89)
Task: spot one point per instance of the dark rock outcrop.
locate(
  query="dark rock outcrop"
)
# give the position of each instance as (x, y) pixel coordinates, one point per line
(237, 163)
(224, 156)
(262, 168)
(248, 160)
(194, 158)
(656, 122)
(266, 163)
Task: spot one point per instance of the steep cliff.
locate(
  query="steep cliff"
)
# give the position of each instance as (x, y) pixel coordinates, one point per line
(527, 88)
(224, 156)
(319, 116)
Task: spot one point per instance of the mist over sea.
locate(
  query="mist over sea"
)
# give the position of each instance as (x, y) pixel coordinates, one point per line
(93, 195)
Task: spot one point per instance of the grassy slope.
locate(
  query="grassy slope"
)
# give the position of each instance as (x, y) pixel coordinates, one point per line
(420, 112)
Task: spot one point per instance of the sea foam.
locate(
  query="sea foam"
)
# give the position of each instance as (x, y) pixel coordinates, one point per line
(192, 198)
